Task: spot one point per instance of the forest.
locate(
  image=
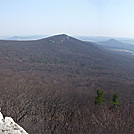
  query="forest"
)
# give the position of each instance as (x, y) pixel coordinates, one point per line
(48, 86)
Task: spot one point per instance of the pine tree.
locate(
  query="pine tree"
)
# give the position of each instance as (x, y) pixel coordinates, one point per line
(99, 99)
(114, 101)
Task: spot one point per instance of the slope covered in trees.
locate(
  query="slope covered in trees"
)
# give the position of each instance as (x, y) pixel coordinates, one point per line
(49, 85)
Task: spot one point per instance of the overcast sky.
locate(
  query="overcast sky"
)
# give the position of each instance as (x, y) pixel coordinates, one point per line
(74, 17)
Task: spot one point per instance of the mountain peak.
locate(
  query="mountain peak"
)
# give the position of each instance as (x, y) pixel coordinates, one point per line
(57, 38)
(113, 40)
(61, 36)
(65, 35)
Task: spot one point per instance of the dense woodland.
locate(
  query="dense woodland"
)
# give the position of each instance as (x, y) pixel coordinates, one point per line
(48, 86)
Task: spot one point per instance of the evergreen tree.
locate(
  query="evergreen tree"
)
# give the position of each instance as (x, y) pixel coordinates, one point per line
(99, 99)
(114, 101)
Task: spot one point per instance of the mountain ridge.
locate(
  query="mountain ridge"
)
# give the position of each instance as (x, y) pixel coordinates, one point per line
(115, 44)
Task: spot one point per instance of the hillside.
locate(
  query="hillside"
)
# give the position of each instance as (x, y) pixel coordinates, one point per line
(49, 85)
(115, 44)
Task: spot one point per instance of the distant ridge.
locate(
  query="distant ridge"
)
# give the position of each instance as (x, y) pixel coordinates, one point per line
(34, 37)
(115, 44)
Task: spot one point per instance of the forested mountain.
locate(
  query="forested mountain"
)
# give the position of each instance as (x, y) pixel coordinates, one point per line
(48, 86)
(112, 43)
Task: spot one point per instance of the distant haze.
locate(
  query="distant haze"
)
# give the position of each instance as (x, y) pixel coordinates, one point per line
(113, 18)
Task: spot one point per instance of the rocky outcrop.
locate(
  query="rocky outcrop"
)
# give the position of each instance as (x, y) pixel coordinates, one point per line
(8, 126)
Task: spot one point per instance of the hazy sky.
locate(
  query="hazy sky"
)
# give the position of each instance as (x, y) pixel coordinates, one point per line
(73, 17)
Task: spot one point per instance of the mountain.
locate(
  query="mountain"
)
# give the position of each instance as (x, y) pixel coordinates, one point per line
(115, 44)
(34, 37)
(48, 85)
(102, 39)
(59, 48)
(92, 38)
(62, 49)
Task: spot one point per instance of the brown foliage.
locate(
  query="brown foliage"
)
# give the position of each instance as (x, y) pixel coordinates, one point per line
(50, 88)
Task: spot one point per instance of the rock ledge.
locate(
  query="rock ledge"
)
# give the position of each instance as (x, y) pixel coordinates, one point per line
(8, 126)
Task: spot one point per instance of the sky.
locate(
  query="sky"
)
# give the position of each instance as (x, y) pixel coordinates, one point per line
(110, 18)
